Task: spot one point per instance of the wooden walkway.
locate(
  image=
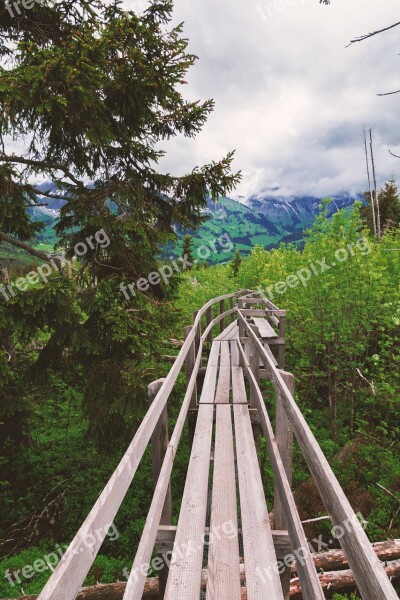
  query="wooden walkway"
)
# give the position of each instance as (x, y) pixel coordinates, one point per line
(224, 545)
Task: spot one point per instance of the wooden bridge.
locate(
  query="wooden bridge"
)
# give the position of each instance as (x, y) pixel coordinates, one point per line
(223, 542)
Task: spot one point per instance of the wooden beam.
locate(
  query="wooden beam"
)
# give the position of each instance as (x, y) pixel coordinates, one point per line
(370, 575)
(184, 579)
(259, 553)
(309, 580)
(223, 554)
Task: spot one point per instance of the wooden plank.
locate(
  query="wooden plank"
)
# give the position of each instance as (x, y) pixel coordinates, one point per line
(234, 354)
(259, 552)
(226, 332)
(215, 321)
(225, 355)
(238, 386)
(71, 571)
(224, 375)
(282, 348)
(269, 352)
(166, 537)
(160, 443)
(264, 328)
(271, 341)
(137, 577)
(370, 575)
(235, 333)
(184, 579)
(309, 580)
(284, 440)
(213, 359)
(223, 559)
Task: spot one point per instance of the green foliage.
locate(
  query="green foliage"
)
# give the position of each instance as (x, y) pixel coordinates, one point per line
(187, 250)
(343, 347)
(236, 263)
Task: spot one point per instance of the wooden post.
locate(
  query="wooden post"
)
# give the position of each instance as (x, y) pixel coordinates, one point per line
(221, 310)
(242, 331)
(284, 440)
(159, 443)
(198, 332)
(208, 321)
(232, 305)
(254, 363)
(189, 364)
(281, 347)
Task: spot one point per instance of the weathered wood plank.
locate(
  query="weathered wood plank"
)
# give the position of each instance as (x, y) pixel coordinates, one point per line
(310, 584)
(234, 354)
(269, 351)
(71, 571)
(238, 386)
(264, 328)
(137, 577)
(224, 375)
(284, 440)
(370, 575)
(223, 558)
(166, 537)
(213, 359)
(226, 332)
(184, 579)
(259, 553)
(234, 335)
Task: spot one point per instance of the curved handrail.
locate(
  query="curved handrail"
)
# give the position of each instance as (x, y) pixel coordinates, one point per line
(70, 573)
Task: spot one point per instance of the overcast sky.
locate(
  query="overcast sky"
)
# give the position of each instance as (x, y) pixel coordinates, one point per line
(290, 98)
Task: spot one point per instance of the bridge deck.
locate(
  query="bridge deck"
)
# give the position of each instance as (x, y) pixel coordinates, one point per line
(223, 497)
(224, 432)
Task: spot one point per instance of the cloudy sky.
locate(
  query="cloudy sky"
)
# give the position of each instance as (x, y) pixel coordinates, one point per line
(290, 97)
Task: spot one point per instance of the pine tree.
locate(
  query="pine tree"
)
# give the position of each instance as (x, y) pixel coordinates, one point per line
(236, 263)
(94, 89)
(187, 251)
(389, 204)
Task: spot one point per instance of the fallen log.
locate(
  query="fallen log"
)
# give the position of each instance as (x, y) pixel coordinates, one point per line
(341, 581)
(336, 559)
(324, 561)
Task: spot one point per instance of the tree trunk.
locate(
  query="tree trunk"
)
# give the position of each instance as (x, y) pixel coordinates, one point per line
(342, 581)
(332, 581)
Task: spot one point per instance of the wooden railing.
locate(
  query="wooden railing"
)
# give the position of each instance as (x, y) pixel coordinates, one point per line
(74, 566)
(243, 305)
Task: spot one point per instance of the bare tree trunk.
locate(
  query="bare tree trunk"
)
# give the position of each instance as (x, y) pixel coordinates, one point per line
(378, 213)
(369, 182)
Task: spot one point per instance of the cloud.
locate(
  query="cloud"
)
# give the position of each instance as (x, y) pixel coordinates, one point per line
(290, 98)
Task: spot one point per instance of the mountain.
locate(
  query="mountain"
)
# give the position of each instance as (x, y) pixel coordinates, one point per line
(260, 220)
(296, 213)
(264, 220)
